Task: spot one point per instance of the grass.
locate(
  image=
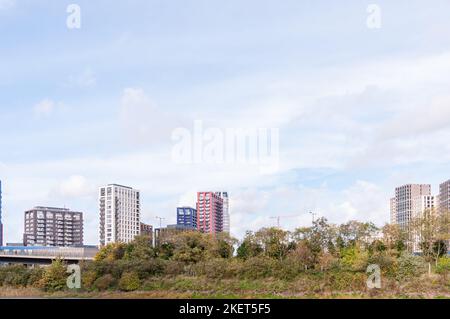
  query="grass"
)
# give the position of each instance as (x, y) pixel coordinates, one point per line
(303, 287)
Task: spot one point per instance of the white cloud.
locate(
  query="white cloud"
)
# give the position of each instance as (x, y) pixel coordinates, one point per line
(143, 121)
(76, 186)
(7, 4)
(335, 126)
(85, 79)
(421, 119)
(44, 107)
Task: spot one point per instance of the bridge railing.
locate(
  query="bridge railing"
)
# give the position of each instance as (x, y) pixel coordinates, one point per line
(51, 252)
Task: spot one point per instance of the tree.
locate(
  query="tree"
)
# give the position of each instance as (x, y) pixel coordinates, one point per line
(55, 277)
(430, 230)
(140, 249)
(129, 282)
(321, 237)
(224, 246)
(303, 254)
(111, 252)
(357, 232)
(394, 238)
(192, 247)
(377, 246)
(274, 242)
(249, 247)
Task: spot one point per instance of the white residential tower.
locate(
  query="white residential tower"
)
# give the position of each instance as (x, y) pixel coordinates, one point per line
(119, 214)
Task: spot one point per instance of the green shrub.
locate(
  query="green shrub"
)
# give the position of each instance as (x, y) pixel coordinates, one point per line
(104, 282)
(34, 276)
(54, 277)
(344, 281)
(14, 276)
(217, 268)
(409, 266)
(385, 261)
(288, 268)
(129, 282)
(355, 259)
(257, 267)
(144, 268)
(88, 279)
(443, 266)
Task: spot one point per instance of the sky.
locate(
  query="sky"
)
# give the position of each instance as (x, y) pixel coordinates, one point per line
(359, 110)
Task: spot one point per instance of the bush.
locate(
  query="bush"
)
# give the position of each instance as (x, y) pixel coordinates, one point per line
(55, 277)
(287, 269)
(409, 266)
(88, 279)
(257, 267)
(14, 276)
(217, 268)
(443, 266)
(34, 277)
(345, 281)
(144, 268)
(129, 282)
(385, 261)
(104, 282)
(173, 268)
(327, 262)
(353, 258)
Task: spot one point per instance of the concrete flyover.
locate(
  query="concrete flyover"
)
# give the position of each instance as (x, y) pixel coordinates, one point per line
(45, 255)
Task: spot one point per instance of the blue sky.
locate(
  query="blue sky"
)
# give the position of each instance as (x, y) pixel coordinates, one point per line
(359, 110)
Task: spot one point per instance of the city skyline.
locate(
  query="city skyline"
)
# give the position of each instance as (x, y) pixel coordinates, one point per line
(359, 111)
(409, 202)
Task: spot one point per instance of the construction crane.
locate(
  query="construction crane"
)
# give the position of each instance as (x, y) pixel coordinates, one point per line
(278, 218)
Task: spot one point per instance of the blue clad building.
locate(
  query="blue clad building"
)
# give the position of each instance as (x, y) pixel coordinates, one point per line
(187, 217)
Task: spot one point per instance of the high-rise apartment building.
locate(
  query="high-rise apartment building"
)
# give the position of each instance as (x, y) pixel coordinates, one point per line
(393, 205)
(404, 200)
(146, 230)
(226, 211)
(425, 204)
(50, 226)
(187, 217)
(209, 212)
(119, 214)
(444, 197)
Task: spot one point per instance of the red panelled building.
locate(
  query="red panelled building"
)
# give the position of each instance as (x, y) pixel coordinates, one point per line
(209, 212)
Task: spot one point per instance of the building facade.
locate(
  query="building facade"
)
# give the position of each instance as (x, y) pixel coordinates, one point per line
(209, 212)
(187, 217)
(119, 214)
(50, 226)
(405, 197)
(444, 197)
(226, 211)
(425, 204)
(146, 230)
(393, 206)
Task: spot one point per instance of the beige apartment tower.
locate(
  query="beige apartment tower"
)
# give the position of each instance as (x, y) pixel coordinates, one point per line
(444, 197)
(119, 214)
(405, 197)
(393, 206)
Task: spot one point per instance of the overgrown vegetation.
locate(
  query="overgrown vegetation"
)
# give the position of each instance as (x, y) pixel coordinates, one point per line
(318, 260)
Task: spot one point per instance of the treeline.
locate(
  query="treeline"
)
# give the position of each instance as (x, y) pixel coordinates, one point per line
(322, 253)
